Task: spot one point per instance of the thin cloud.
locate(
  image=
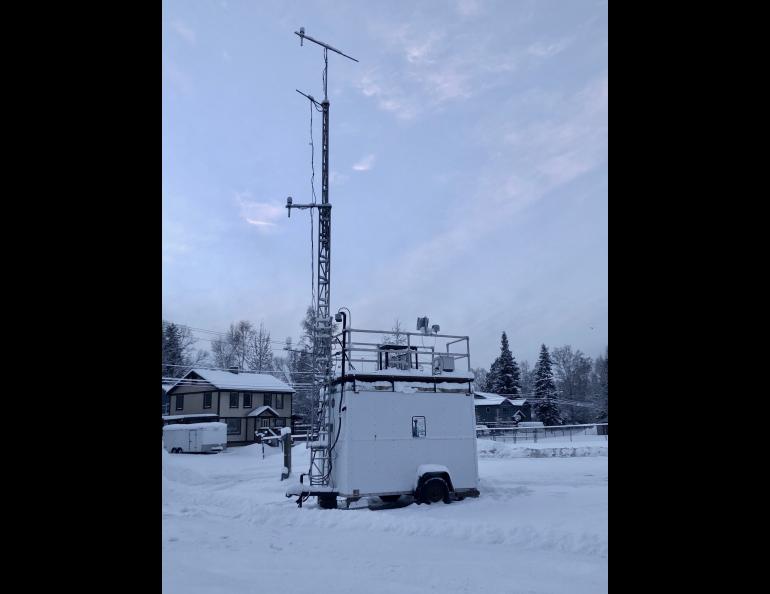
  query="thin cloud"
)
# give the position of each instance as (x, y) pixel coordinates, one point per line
(260, 214)
(468, 7)
(364, 164)
(176, 76)
(564, 142)
(184, 31)
(176, 239)
(546, 50)
(337, 178)
(436, 67)
(389, 95)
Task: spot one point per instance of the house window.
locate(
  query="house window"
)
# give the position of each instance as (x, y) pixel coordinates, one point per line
(207, 400)
(418, 426)
(280, 422)
(264, 422)
(233, 426)
(233, 399)
(278, 401)
(180, 402)
(268, 400)
(247, 400)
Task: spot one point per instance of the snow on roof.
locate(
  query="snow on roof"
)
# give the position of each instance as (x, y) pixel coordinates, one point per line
(227, 380)
(258, 411)
(180, 427)
(175, 417)
(489, 399)
(168, 385)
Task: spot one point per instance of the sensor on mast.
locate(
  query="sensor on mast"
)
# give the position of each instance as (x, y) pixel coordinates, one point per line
(320, 459)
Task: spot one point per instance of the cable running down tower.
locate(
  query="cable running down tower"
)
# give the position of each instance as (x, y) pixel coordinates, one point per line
(320, 455)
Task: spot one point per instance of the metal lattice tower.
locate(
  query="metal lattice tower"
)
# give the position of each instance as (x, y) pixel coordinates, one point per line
(320, 454)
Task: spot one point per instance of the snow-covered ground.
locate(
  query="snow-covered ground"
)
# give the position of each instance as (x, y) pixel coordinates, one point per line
(540, 525)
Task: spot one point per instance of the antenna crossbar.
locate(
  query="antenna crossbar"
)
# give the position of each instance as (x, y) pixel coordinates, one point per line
(320, 457)
(301, 34)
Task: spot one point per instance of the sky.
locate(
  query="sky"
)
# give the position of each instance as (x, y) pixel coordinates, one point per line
(468, 166)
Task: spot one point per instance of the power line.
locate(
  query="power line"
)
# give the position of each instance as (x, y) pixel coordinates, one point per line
(191, 367)
(221, 334)
(190, 382)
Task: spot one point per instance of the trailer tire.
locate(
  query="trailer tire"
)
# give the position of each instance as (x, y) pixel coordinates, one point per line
(434, 490)
(327, 501)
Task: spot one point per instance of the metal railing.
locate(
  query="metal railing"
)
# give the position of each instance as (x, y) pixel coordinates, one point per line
(301, 431)
(364, 351)
(572, 433)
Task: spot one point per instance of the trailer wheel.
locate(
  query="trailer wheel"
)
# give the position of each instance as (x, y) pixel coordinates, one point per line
(434, 490)
(327, 501)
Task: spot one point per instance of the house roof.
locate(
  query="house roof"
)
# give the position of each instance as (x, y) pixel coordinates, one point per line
(258, 411)
(490, 399)
(227, 380)
(486, 395)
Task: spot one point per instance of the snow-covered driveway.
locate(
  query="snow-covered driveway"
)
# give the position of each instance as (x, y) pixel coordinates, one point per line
(540, 525)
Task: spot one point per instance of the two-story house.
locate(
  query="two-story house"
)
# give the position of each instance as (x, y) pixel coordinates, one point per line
(245, 401)
(493, 409)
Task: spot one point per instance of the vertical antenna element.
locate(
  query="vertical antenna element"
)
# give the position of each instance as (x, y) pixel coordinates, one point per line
(320, 458)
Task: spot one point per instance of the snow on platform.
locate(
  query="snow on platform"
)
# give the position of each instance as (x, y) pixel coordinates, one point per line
(540, 525)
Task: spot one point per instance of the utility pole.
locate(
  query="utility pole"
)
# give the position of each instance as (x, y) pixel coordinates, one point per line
(320, 462)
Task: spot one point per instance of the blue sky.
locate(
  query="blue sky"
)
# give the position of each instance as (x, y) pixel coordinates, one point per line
(468, 166)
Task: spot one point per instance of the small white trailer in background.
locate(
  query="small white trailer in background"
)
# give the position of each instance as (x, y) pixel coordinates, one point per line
(199, 438)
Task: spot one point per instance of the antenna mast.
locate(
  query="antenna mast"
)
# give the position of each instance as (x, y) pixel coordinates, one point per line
(320, 460)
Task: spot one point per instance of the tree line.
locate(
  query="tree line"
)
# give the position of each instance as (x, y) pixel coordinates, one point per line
(249, 348)
(559, 374)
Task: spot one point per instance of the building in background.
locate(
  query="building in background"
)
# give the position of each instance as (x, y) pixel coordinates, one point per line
(247, 402)
(493, 409)
(166, 386)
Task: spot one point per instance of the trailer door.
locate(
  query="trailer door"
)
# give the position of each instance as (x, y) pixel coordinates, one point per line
(194, 444)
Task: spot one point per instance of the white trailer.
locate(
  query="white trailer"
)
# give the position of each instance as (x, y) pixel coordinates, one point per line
(199, 438)
(404, 426)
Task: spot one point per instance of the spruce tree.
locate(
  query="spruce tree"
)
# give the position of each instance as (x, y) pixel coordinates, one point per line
(505, 373)
(602, 395)
(173, 353)
(545, 388)
(491, 379)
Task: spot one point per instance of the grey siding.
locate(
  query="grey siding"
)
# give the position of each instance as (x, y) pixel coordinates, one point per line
(501, 413)
(220, 405)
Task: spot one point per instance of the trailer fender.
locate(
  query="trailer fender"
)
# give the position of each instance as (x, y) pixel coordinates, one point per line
(428, 471)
